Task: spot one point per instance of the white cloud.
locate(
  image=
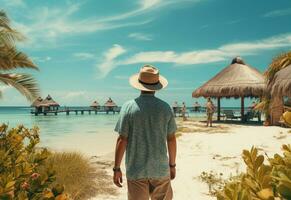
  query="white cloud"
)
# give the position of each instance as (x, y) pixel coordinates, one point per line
(221, 53)
(145, 4)
(140, 36)
(14, 3)
(278, 13)
(41, 59)
(84, 55)
(109, 63)
(47, 24)
(255, 46)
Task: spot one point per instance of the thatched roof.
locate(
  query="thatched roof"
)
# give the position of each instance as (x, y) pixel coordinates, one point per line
(94, 104)
(281, 84)
(110, 103)
(48, 101)
(236, 80)
(37, 102)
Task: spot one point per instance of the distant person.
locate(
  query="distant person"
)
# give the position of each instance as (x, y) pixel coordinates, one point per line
(196, 107)
(146, 130)
(210, 108)
(183, 110)
(253, 106)
(175, 107)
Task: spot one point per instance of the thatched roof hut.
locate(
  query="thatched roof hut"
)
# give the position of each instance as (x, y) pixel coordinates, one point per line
(37, 102)
(281, 84)
(48, 101)
(110, 103)
(95, 104)
(237, 80)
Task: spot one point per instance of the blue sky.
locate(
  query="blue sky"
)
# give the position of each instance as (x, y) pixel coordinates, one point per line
(86, 50)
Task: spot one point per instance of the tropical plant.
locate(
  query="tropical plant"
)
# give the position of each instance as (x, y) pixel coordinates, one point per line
(23, 173)
(11, 58)
(261, 181)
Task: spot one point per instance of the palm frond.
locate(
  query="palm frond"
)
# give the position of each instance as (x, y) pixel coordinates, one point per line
(8, 35)
(10, 58)
(24, 83)
(4, 20)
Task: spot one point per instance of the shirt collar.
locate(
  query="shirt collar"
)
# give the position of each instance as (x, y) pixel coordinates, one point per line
(147, 95)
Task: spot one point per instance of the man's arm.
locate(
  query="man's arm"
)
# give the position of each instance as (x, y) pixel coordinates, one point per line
(121, 144)
(172, 149)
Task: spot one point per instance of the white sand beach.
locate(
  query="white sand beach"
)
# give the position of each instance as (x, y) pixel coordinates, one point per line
(217, 149)
(200, 149)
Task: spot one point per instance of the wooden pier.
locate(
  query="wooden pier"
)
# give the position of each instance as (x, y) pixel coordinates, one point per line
(77, 111)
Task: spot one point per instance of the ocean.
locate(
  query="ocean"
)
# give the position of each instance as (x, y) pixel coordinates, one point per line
(92, 134)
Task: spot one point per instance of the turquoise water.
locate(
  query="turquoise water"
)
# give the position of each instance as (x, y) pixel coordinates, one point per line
(52, 125)
(72, 130)
(92, 134)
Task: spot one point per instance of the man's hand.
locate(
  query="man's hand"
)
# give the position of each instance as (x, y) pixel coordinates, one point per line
(172, 172)
(117, 178)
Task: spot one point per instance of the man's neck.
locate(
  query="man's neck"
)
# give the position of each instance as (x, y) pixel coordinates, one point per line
(147, 92)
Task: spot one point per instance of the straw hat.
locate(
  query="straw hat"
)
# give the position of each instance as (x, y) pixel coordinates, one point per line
(148, 79)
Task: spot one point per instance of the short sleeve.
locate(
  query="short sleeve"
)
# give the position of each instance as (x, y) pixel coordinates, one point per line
(172, 127)
(122, 125)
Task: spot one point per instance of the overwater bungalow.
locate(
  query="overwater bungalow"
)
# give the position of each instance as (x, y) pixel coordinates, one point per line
(95, 105)
(45, 105)
(36, 105)
(238, 80)
(110, 106)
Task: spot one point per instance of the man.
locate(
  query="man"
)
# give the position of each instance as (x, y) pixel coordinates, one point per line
(210, 108)
(146, 130)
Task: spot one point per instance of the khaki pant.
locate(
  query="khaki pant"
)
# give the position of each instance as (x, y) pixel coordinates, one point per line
(144, 189)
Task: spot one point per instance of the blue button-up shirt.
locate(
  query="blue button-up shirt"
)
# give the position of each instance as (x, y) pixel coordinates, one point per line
(146, 121)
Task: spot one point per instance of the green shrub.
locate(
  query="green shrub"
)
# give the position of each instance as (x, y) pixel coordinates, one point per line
(261, 181)
(20, 164)
(82, 180)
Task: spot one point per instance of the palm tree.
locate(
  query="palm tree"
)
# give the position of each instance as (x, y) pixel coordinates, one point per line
(11, 58)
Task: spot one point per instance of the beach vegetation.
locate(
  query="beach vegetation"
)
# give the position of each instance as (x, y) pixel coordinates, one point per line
(23, 173)
(11, 58)
(79, 175)
(261, 181)
(272, 106)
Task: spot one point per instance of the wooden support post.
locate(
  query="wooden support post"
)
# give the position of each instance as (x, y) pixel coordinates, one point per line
(242, 109)
(67, 112)
(76, 112)
(95, 112)
(89, 112)
(82, 112)
(56, 113)
(218, 109)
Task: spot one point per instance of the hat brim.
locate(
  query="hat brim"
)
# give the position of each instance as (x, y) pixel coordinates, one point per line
(134, 82)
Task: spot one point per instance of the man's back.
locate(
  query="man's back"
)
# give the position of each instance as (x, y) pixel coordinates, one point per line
(147, 122)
